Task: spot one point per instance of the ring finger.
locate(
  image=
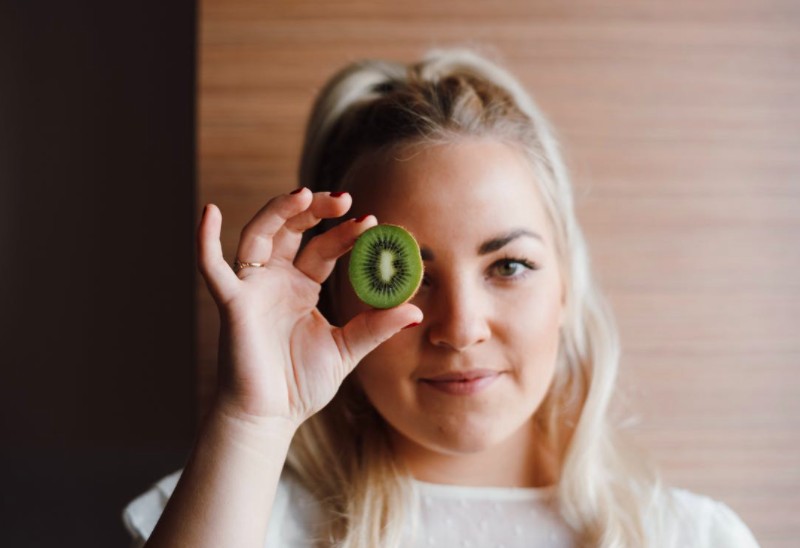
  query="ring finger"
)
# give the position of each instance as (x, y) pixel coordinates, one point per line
(324, 206)
(256, 242)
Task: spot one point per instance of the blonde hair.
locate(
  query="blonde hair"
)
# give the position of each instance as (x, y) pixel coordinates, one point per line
(606, 490)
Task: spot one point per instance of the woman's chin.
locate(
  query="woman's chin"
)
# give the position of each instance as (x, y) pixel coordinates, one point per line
(465, 440)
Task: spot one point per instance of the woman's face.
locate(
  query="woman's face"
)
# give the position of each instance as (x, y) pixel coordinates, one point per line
(474, 372)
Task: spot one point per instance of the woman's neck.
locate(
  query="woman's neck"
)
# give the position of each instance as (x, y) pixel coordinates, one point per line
(518, 461)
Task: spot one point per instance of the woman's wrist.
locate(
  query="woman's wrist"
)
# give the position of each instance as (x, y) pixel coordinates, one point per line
(228, 486)
(249, 428)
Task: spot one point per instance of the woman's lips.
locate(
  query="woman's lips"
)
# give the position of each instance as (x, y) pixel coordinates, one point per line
(464, 383)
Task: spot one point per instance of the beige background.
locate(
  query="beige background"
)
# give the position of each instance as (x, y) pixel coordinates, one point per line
(680, 123)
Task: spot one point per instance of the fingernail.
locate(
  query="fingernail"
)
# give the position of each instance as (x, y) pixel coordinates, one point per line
(337, 194)
(415, 324)
(361, 219)
(297, 190)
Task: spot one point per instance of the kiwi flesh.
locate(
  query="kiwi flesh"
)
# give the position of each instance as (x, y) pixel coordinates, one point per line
(385, 266)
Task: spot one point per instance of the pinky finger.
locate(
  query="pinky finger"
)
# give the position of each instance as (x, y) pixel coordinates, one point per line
(219, 277)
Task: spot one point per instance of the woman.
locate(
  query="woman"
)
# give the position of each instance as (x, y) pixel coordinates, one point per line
(475, 414)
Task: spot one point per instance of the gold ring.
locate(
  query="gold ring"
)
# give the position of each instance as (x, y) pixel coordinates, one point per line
(238, 265)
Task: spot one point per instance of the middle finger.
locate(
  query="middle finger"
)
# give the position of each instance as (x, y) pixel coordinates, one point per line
(325, 205)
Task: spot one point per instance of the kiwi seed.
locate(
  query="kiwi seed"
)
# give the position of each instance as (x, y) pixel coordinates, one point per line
(385, 266)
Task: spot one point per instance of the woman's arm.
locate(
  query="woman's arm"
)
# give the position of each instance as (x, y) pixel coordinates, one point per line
(224, 496)
(280, 362)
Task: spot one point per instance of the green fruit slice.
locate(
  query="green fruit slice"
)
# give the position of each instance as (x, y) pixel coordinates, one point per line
(385, 266)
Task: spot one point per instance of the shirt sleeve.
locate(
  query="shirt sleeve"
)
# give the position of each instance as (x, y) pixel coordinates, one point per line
(141, 514)
(292, 524)
(727, 529)
(710, 523)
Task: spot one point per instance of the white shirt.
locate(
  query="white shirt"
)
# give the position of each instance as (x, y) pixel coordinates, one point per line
(460, 517)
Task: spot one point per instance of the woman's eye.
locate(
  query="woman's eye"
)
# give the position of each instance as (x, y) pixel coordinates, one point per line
(511, 268)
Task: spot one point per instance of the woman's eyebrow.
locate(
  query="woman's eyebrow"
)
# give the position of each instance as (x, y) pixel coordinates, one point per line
(490, 245)
(496, 243)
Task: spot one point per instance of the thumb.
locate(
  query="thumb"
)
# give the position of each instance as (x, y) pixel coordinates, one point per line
(365, 332)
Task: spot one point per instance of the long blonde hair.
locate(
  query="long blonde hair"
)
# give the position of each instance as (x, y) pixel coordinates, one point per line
(606, 490)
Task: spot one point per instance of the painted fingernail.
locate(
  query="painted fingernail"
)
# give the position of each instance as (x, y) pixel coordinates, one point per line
(297, 190)
(415, 324)
(361, 219)
(337, 194)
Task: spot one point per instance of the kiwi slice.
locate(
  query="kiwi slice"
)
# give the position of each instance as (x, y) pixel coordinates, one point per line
(385, 266)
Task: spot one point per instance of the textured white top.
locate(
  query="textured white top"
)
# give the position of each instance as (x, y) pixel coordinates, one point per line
(455, 516)
(461, 517)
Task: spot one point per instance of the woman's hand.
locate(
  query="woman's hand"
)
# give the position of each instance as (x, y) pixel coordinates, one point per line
(279, 358)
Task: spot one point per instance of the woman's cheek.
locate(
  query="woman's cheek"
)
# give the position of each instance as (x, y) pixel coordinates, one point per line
(539, 320)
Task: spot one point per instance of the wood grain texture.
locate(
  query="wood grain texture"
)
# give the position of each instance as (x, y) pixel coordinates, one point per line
(680, 123)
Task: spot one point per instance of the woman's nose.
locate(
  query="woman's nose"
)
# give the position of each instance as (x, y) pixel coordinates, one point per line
(460, 318)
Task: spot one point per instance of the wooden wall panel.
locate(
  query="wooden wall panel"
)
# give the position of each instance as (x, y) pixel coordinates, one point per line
(681, 125)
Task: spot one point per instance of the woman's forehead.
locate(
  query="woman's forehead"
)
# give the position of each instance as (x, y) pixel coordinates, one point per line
(483, 188)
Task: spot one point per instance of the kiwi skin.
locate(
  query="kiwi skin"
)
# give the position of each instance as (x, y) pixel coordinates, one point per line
(359, 267)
